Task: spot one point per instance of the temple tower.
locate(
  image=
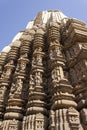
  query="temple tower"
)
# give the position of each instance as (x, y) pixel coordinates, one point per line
(43, 75)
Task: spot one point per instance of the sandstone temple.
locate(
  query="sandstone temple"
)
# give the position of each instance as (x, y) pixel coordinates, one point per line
(43, 75)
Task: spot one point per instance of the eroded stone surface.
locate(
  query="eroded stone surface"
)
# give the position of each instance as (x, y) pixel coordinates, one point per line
(43, 76)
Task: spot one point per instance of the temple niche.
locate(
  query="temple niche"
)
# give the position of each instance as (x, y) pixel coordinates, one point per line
(43, 75)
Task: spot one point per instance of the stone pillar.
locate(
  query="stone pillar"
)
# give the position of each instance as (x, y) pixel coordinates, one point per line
(61, 90)
(3, 57)
(36, 107)
(19, 89)
(76, 54)
(6, 78)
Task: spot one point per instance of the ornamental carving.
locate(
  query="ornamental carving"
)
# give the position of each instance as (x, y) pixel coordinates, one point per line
(43, 75)
(73, 116)
(38, 78)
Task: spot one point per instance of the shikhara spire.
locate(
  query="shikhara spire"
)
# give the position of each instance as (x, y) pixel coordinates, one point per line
(46, 16)
(43, 75)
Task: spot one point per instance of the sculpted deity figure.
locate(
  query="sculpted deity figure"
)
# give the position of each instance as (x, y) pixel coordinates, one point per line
(33, 61)
(8, 71)
(38, 78)
(19, 85)
(2, 92)
(12, 91)
(16, 89)
(31, 82)
(57, 51)
(13, 88)
(23, 65)
(31, 79)
(56, 74)
(39, 60)
(51, 54)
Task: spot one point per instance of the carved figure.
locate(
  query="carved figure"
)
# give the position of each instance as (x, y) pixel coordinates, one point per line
(23, 65)
(51, 54)
(33, 61)
(57, 51)
(56, 74)
(8, 72)
(73, 116)
(38, 78)
(31, 82)
(2, 92)
(31, 79)
(39, 60)
(13, 125)
(19, 85)
(12, 91)
(13, 88)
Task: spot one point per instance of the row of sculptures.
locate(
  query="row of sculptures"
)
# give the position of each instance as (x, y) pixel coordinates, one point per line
(43, 81)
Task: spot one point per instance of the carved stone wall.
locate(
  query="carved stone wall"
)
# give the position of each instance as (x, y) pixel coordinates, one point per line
(43, 76)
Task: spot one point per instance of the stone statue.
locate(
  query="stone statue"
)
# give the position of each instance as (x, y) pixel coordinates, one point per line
(38, 49)
(19, 85)
(31, 79)
(23, 65)
(39, 60)
(16, 89)
(33, 61)
(57, 51)
(12, 91)
(8, 71)
(2, 92)
(38, 78)
(51, 54)
(56, 74)
(31, 82)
